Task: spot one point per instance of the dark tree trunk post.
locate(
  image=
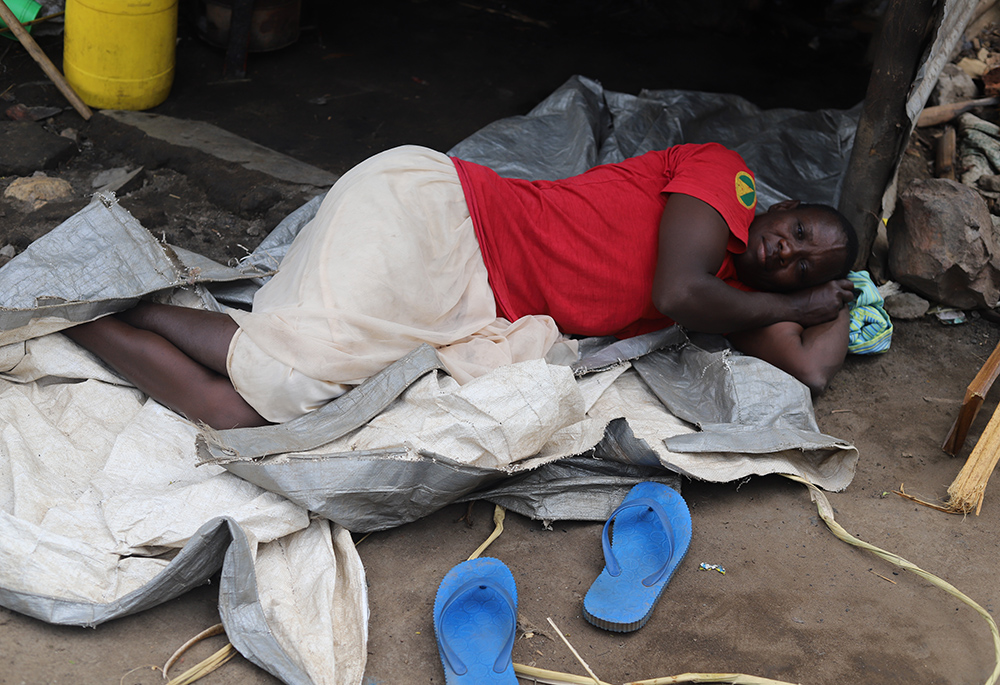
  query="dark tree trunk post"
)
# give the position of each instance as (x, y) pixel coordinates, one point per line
(884, 128)
(240, 23)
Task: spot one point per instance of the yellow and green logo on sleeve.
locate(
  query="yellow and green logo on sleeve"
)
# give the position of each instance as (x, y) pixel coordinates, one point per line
(746, 191)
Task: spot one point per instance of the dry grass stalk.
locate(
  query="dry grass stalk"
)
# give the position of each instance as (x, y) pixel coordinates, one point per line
(731, 678)
(498, 516)
(217, 629)
(905, 495)
(882, 577)
(137, 668)
(586, 667)
(205, 667)
(547, 677)
(39, 20)
(825, 510)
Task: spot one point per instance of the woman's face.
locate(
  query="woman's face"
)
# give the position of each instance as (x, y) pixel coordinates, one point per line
(791, 248)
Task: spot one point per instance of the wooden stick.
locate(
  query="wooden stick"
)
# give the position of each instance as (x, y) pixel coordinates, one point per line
(44, 62)
(945, 158)
(39, 20)
(597, 681)
(974, 396)
(939, 114)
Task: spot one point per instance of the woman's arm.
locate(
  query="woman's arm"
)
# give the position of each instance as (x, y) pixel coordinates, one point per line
(693, 240)
(813, 354)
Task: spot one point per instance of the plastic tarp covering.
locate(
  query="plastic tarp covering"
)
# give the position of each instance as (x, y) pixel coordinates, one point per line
(110, 503)
(103, 508)
(793, 154)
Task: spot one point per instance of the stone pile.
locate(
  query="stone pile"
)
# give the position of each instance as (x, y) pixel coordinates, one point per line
(944, 236)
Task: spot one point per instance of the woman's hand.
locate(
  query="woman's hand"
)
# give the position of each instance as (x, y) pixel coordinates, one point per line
(821, 303)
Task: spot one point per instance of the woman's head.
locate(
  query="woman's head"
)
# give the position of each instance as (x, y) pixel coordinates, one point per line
(794, 245)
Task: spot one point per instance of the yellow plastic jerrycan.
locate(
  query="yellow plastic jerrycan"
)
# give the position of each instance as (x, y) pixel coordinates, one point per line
(119, 54)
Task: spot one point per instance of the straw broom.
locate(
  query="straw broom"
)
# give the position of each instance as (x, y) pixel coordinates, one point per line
(969, 488)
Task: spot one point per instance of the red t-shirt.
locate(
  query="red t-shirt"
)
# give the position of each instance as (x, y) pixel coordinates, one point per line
(584, 249)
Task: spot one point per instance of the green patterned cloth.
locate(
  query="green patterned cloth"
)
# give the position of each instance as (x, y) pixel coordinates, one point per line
(871, 329)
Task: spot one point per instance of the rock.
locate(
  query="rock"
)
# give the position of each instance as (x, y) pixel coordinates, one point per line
(991, 82)
(258, 200)
(7, 253)
(942, 245)
(906, 306)
(900, 304)
(990, 182)
(973, 67)
(38, 191)
(27, 147)
(119, 180)
(18, 112)
(954, 85)
(102, 178)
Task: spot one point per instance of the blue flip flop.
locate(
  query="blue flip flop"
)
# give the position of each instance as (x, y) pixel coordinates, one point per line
(652, 532)
(475, 620)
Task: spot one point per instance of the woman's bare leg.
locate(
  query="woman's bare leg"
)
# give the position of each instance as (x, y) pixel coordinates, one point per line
(200, 334)
(163, 371)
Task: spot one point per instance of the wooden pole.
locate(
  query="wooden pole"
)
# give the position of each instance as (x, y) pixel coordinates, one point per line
(942, 114)
(44, 62)
(884, 128)
(974, 396)
(240, 23)
(945, 154)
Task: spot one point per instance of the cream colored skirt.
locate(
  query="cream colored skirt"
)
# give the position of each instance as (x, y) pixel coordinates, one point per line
(389, 262)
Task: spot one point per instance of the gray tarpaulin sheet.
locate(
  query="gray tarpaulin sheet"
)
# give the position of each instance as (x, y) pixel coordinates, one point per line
(110, 503)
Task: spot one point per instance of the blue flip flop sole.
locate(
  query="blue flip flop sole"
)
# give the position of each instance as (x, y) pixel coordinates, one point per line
(475, 620)
(646, 548)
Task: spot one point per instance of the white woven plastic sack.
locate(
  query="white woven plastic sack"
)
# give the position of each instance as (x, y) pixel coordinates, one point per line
(104, 511)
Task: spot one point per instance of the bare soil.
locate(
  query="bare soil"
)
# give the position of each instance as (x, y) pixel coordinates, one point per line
(795, 604)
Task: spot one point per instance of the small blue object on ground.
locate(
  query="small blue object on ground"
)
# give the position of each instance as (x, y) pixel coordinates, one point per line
(651, 534)
(475, 621)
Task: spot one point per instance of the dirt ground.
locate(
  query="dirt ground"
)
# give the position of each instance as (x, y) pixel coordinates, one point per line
(796, 604)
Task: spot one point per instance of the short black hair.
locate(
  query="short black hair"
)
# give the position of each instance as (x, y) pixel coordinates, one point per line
(846, 227)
